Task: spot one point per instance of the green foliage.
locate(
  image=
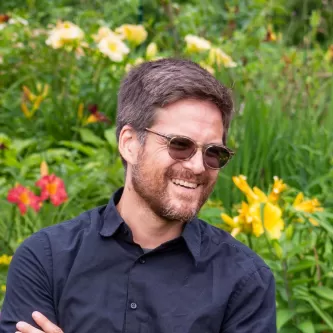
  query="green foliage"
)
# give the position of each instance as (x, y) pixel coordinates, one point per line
(282, 125)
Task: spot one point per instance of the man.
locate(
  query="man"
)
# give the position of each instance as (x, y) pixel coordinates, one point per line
(144, 263)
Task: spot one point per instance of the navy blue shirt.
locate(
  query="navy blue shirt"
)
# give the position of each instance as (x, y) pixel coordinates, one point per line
(87, 275)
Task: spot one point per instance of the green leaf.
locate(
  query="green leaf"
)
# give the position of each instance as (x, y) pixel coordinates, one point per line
(306, 327)
(301, 266)
(283, 316)
(324, 292)
(89, 136)
(323, 314)
(79, 146)
(110, 136)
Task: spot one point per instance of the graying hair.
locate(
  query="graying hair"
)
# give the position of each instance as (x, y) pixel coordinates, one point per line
(155, 84)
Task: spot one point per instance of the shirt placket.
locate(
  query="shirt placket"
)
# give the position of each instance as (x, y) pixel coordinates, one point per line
(136, 315)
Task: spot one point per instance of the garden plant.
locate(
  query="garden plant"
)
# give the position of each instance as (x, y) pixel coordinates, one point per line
(61, 64)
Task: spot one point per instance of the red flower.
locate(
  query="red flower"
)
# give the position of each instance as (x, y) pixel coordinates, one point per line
(54, 188)
(24, 198)
(96, 115)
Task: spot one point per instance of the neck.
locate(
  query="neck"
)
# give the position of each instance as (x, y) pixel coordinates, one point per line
(149, 230)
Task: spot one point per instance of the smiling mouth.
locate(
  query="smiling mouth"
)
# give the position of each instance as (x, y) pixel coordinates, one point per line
(184, 183)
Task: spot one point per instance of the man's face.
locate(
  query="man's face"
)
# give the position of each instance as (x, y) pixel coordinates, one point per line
(155, 175)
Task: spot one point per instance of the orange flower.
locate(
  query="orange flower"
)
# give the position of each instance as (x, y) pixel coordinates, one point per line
(96, 116)
(54, 188)
(24, 198)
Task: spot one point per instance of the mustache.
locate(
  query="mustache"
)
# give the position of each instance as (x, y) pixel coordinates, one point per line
(187, 175)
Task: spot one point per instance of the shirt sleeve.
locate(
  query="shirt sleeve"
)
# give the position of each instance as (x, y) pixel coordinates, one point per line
(252, 306)
(29, 284)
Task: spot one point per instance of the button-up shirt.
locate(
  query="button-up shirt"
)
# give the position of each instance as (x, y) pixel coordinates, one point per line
(87, 275)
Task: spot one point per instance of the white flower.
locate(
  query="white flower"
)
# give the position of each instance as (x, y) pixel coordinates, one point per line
(113, 47)
(65, 33)
(104, 32)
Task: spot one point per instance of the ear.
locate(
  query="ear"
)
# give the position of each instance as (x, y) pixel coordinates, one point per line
(129, 144)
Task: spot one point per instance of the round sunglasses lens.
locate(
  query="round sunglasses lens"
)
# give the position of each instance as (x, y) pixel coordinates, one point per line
(216, 157)
(181, 148)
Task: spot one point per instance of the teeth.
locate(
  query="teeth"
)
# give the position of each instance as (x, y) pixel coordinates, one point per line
(184, 183)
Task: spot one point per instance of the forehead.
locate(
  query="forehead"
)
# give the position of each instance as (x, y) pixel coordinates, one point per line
(199, 120)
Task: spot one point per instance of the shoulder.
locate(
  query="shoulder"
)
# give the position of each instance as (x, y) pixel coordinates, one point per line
(61, 237)
(228, 251)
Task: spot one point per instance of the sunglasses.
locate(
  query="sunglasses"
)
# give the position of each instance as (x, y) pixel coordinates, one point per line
(182, 148)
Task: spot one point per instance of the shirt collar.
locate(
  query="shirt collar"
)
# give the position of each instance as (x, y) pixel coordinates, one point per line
(111, 221)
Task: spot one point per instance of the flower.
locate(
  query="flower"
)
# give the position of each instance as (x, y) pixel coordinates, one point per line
(270, 35)
(24, 198)
(135, 34)
(113, 47)
(218, 57)
(259, 214)
(278, 187)
(272, 220)
(52, 187)
(65, 34)
(208, 68)
(104, 32)
(242, 184)
(307, 206)
(3, 288)
(96, 116)
(34, 100)
(196, 44)
(5, 259)
(151, 51)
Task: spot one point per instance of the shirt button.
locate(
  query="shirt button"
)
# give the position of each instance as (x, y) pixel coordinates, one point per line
(142, 261)
(134, 306)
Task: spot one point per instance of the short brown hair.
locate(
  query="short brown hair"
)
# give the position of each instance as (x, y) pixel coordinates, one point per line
(156, 84)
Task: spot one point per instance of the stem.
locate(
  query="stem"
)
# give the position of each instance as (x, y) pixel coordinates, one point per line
(167, 5)
(249, 239)
(286, 285)
(317, 266)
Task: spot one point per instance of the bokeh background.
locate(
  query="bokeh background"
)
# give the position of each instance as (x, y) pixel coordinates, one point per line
(61, 63)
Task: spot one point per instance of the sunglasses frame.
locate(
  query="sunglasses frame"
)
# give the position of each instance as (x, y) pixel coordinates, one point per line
(196, 145)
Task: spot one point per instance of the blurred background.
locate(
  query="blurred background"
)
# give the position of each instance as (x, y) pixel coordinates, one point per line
(61, 63)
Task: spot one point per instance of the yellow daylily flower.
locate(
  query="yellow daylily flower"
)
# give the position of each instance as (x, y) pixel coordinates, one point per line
(234, 223)
(3, 288)
(273, 222)
(307, 206)
(135, 34)
(5, 259)
(278, 187)
(36, 100)
(262, 197)
(196, 44)
(219, 58)
(270, 34)
(241, 182)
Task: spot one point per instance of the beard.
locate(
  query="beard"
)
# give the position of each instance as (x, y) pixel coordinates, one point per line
(153, 186)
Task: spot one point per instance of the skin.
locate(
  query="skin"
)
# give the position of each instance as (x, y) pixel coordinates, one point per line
(162, 208)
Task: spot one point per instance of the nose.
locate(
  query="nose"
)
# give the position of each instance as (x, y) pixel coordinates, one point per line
(195, 163)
